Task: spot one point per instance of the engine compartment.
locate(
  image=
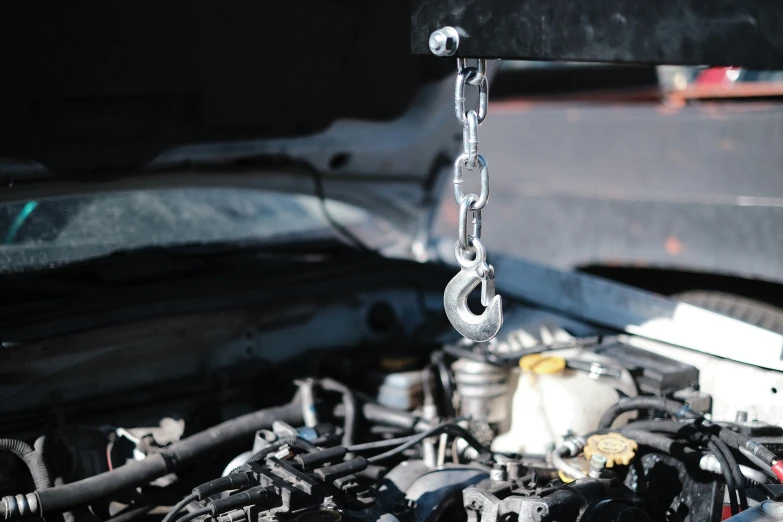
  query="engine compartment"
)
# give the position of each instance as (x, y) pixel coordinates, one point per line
(365, 406)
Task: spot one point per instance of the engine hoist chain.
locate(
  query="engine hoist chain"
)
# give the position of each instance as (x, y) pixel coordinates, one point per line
(469, 250)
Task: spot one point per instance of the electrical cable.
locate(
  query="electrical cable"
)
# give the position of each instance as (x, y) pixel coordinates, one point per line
(739, 478)
(758, 462)
(673, 408)
(179, 506)
(449, 427)
(156, 465)
(380, 444)
(731, 486)
(350, 406)
(195, 514)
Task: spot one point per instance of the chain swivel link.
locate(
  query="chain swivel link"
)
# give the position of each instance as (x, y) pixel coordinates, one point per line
(469, 250)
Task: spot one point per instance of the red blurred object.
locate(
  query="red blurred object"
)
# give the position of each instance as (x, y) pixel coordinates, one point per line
(777, 469)
(717, 76)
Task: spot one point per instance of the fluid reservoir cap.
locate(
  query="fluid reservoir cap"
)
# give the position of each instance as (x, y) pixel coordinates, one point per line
(541, 364)
(617, 449)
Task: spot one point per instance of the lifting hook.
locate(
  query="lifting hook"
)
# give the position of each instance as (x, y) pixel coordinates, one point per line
(477, 328)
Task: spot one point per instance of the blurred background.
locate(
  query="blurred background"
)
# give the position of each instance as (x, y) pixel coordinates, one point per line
(668, 178)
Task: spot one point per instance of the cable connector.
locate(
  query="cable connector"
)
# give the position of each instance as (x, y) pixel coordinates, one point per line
(249, 497)
(575, 445)
(232, 481)
(777, 469)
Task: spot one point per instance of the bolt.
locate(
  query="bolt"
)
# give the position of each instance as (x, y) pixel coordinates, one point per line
(598, 461)
(498, 473)
(444, 42)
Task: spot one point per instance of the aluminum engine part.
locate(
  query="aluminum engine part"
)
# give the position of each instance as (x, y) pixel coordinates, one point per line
(586, 500)
(483, 391)
(412, 491)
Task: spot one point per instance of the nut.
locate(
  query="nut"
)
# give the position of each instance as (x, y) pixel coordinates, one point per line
(444, 41)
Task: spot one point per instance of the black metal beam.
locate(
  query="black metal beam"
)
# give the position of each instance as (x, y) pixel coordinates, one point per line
(746, 33)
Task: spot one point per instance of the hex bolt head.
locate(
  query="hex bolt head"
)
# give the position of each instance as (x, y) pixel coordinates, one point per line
(444, 41)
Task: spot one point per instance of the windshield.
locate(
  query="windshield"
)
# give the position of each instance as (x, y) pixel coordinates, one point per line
(61, 230)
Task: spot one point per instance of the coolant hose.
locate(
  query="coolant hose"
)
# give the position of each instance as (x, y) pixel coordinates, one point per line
(156, 465)
(674, 408)
(32, 459)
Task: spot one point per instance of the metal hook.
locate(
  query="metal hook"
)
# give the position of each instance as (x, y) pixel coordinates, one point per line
(482, 327)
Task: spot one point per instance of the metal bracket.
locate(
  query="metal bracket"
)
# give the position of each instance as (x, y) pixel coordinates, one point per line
(745, 33)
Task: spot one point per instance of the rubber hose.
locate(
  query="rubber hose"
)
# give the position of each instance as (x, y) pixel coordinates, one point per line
(379, 414)
(669, 406)
(736, 472)
(732, 438)
(349, 403)
(168, 460)
(32, 459)
(731, 485)
(661, 443)
(671, 427)
(740, 440)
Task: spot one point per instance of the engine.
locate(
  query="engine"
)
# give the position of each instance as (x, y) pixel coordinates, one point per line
(530, 429)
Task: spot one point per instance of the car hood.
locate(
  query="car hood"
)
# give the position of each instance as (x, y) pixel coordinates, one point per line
(243, 94)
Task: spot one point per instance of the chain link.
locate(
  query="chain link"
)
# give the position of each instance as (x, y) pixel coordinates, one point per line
(469, 250)
(470, 205)
(470, 139)
(477, 73)
(459, 95)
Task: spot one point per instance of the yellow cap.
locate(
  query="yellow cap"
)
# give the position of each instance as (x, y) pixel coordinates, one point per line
(617, 449)
(541, 365)
(565, 478)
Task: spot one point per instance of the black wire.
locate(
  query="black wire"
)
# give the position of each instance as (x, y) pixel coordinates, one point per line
(446, 427)
(735, 470)
(179, 506)
(447, 388)
(195, 514)
(771, 495)
(731, 487)
(380, 444)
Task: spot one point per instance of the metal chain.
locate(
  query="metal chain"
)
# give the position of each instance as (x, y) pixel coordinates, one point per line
(470, 158)
(469, 251)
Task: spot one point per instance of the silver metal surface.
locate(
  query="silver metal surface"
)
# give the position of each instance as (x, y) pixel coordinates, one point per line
(459, 194)
(474, 270)
(477, 328)
(308, 402)
(459, 96)
(477, 73)
(483, 506)
(483, 390)
(597, 464)
(470, 139)
(462, 225)
(444, 41)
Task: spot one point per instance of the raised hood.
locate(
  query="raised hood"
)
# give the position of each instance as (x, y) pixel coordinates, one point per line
(109, 95)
